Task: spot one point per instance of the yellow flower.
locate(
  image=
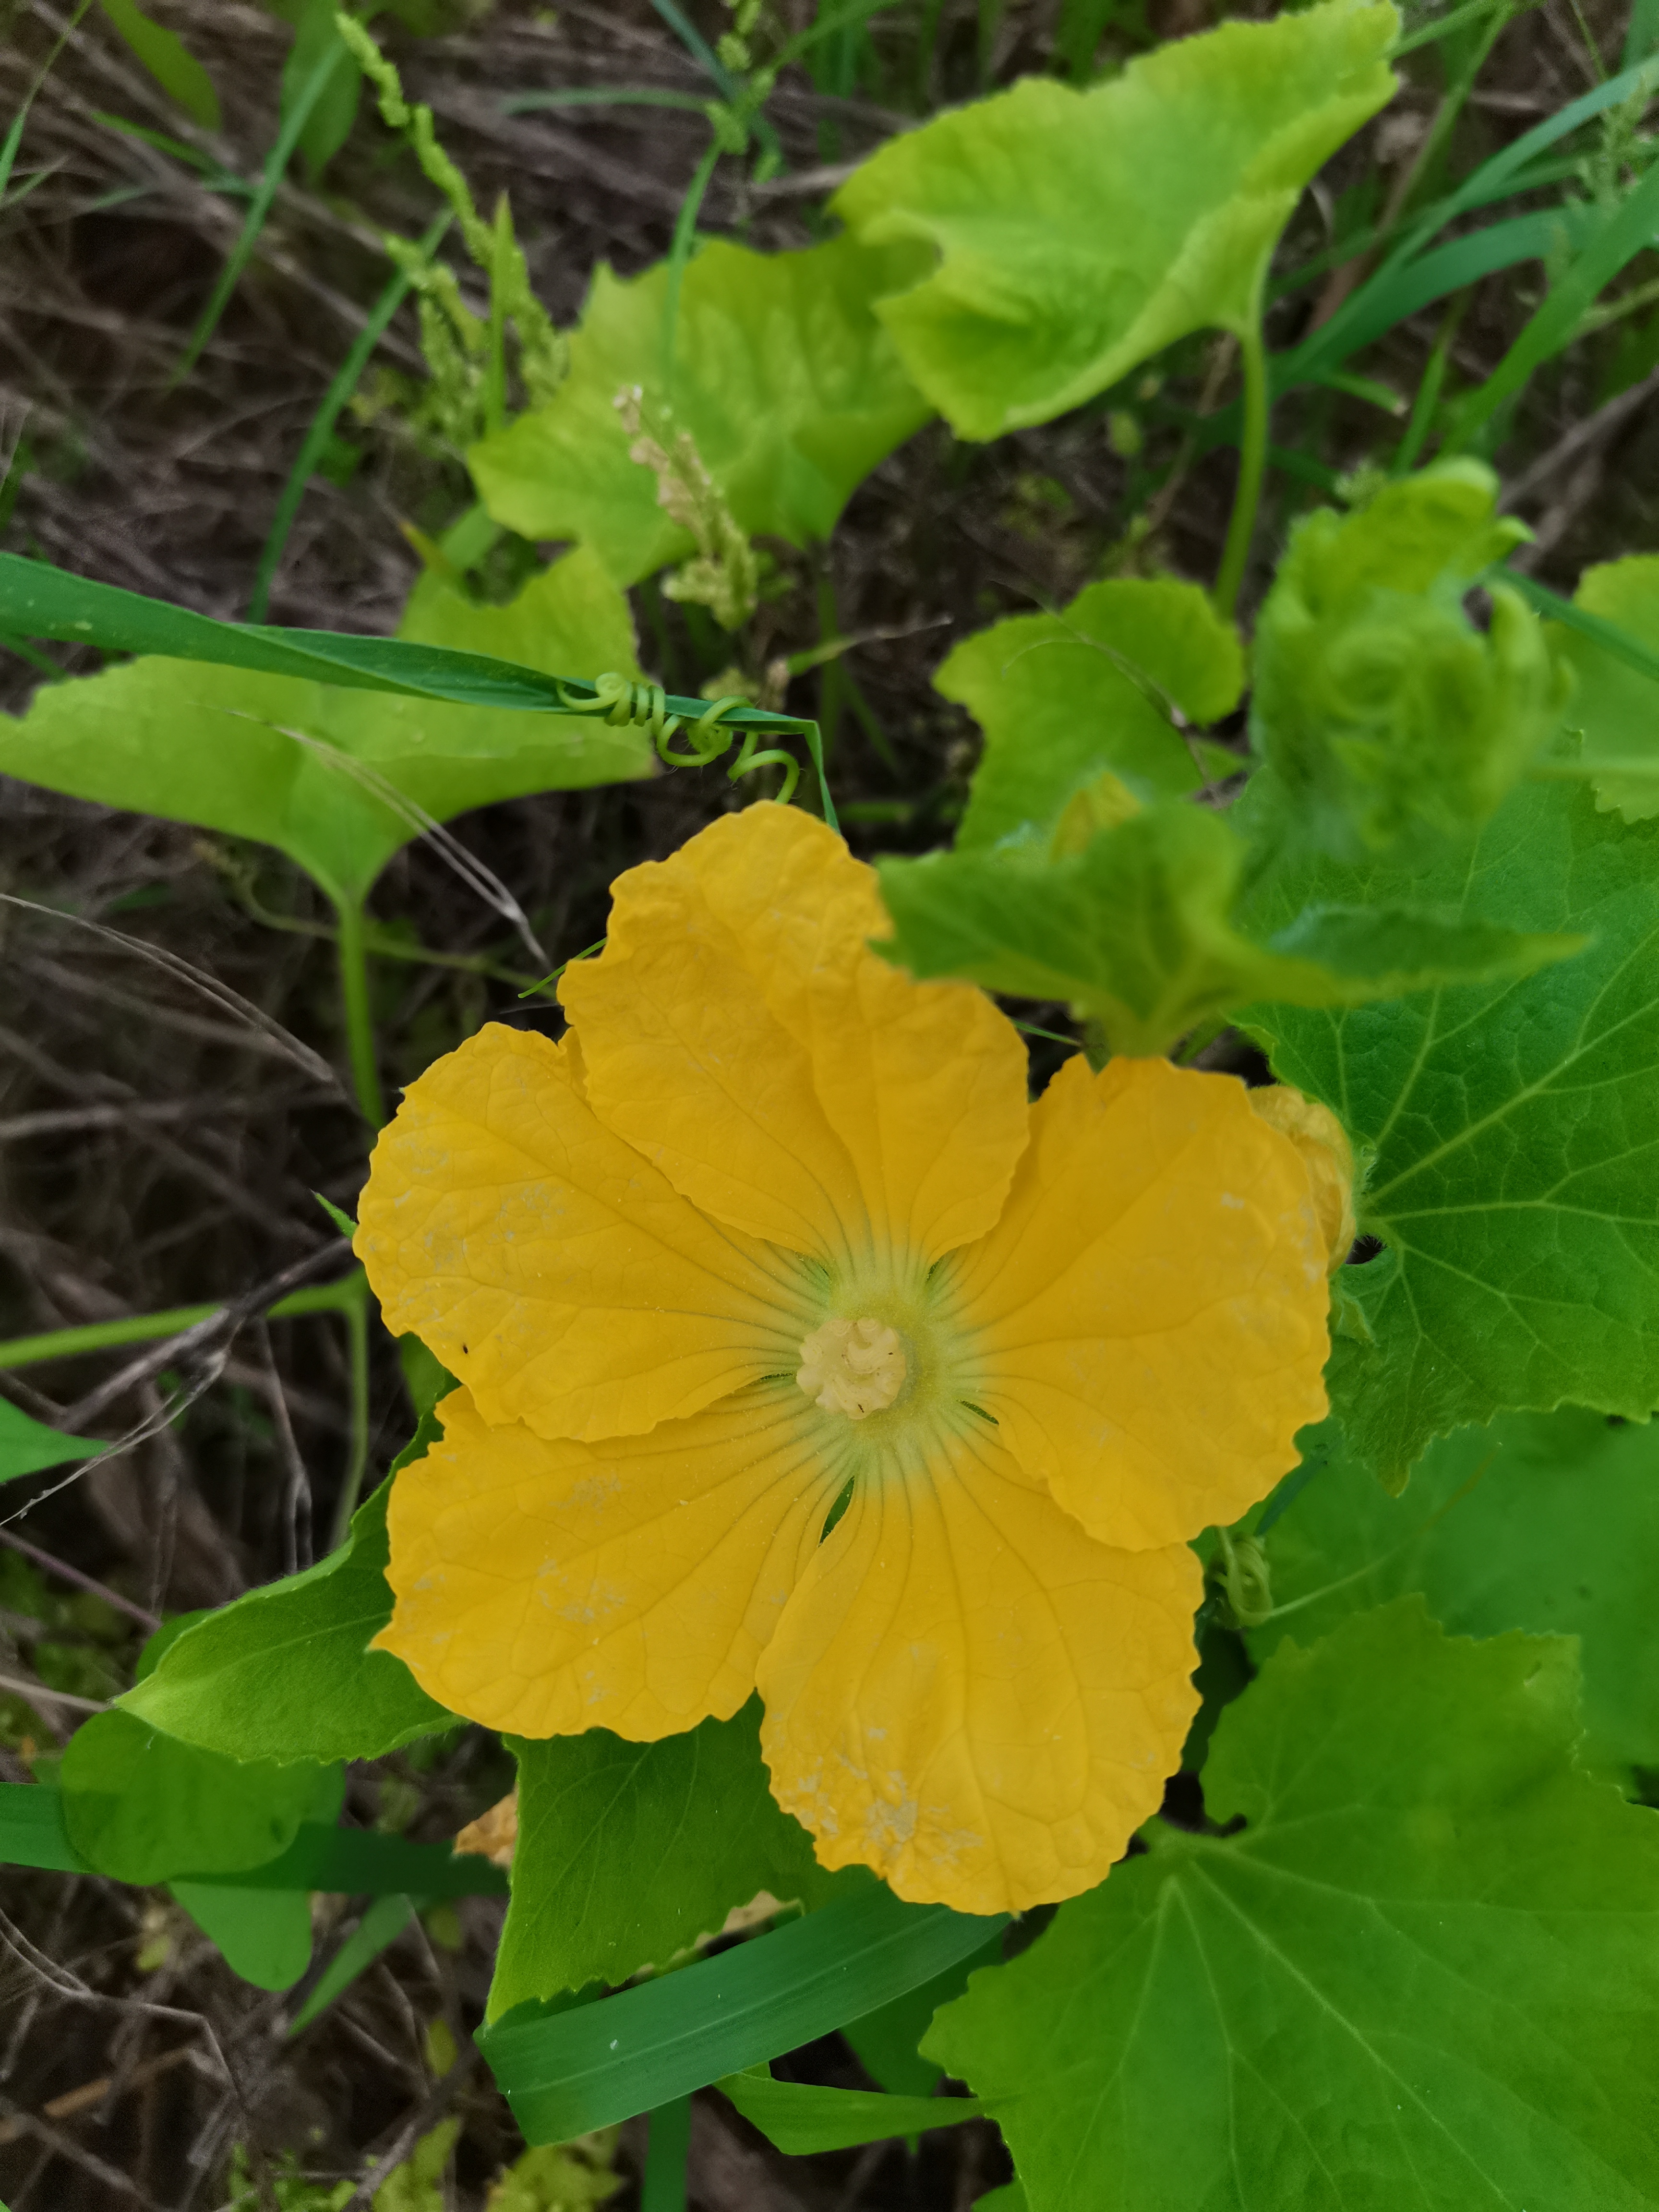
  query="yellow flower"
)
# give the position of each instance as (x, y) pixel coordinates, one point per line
(773, 1231)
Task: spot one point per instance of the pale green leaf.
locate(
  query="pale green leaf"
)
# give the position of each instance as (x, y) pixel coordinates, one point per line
(141, 1807)
(1615, 707)
(1136, 932)
(285, 1671)
(264, 1935)
(1077, 233)
(1424, 1975)
(1062, 697)
(169, 60)
(334, 776)
(628, 1852)
(1547, 1522)
(28, 1446)
(1393, 724)
(1515, 1133)
(789, 385)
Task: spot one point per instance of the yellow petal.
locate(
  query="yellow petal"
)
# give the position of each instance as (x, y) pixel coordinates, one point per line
(786, 1079)
(1151, 1310)
(968, 1694)
(548, 1267)
(1326, 1153)
(546, 1587)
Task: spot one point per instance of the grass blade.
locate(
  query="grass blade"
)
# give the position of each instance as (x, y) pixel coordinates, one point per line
(1622, 237)
(1608, 636)
(352, 1861)
(322, 425)
(276, 169)
(565, 2072)
(380, 1927)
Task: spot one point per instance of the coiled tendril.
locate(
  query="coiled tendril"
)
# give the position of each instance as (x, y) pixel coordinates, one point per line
(627, 704)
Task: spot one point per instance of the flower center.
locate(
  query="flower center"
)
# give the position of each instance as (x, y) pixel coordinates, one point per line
(852, 1367)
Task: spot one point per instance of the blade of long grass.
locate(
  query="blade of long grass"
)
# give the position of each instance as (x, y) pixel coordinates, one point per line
(1492, 181)
(276, 169)
(1394, 296)
(530, 103)
(1613, 640)
(663, 2189)
(353, 1862)
(565, 2071)
(380, 1926)
(37, 600)
(14, 138)
(1622, 237)
(322, 424)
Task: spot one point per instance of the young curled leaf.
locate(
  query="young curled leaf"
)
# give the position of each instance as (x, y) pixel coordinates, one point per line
(1392, 724)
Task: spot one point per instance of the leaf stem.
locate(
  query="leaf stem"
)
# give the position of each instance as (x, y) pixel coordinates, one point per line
(357, 1320)
(1252, 466)
(353, 997)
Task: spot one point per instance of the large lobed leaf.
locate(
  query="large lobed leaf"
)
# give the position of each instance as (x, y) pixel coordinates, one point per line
(1515, 1127)
(327, 773)
(1546, 1521)
(1137, 932)
(1615, 706)
(1424, 1975)
(791, 388)
(1076, 232)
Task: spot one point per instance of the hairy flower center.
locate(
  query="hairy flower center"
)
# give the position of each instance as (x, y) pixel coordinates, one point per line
(852, 1367)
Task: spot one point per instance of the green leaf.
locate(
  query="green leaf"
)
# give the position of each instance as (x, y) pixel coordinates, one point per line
(799, 2118)
(141, 1807)
(33, 1833)
(169, 60)
(28, 1446)
(328, 125)
(1062, 697)
(1515, 1131)
(285, 1673)
(1136, 932)
(628, 1852)
(886, 2042)
(1393, 724)
(1615, 706)
(1543, 1521)
(264, 1935)
(783, 376)
(1425, 1975)
(339, 779)
(565, 2069)
(1077, 233)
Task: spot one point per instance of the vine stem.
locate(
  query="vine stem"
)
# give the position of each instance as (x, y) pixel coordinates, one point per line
(353, 993)
(1252, 466)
